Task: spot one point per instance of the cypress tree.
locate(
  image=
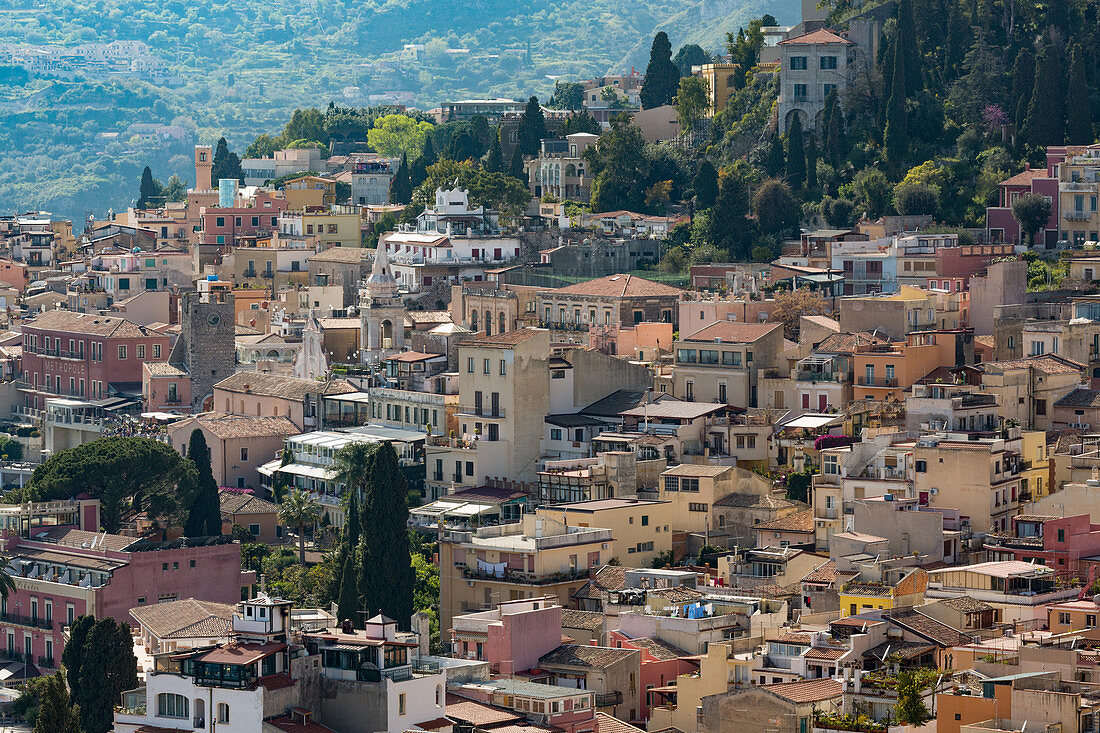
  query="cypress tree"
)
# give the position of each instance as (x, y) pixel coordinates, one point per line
(56, 713)
(401, 188)
(532, 128)
(705, 185)
(225, 164)
(205, 517)
(1023, 80)
(494, 160)
(386, 565)
(515, 166)
(728, 226)
(1045, 123)
(107, 670)
(72, 657)
(149, 190)
(796, 155)
(909, 47)
(418, 169)
(895, 139)
(348, 603)
(1078, 115)
(811, 162)
(773, 161)
(662, 78)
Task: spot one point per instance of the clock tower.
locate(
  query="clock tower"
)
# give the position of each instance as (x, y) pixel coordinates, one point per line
(206, 347)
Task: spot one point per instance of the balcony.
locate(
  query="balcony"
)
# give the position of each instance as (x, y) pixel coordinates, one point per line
(46, 662)
(34, 622)
(1073, 215)
(609, 699)
(525, 578)
(877, 381)
(481, 411)
(812, 376)
(1083, 186)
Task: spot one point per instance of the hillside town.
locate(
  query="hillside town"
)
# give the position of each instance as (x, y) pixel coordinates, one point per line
(516, 435)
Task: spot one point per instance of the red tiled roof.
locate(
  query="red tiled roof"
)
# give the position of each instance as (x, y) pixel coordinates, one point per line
(478, 713)
(610, 724)
(241, 653)
(815, 37)
(435, 724)
(618, 286)
(807, 690)
(730, 332)
(277, 681)
(825, 573)
(1025, 177)
(797, 522)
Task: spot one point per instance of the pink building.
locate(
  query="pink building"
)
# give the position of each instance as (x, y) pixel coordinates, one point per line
(1001, 226)
(81, 355)
(956, 265)
(1056, 542)
(165, 387)
(225, 225)
(662, 663)
(512, 637)
(64, 568)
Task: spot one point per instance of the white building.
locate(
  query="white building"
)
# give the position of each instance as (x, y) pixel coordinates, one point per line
(813, 65)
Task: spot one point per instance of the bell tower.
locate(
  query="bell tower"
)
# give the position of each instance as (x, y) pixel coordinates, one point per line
(204, 167)
(381, 313)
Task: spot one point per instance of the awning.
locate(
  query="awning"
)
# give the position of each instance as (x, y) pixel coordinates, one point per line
(471, 510)
(816, 359)
(342, 648)
(812, 422)
(269, 468)
(298, 469)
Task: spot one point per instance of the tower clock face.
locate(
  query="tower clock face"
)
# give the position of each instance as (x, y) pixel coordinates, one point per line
(214, 319)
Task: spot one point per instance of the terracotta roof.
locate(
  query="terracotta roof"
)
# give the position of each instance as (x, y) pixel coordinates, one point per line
(346, 255)
(679, 594)
(288, 388)
(825, 573)
(797, 522)
(579, 655)
(509, 338)
(333, 323)
(986, 340)
(88, 323)
(1046, 363)
(618, 286)
(807, 690)
(660, 650)
(1025, 177)
(163, 369)
(610, 724)
(63, 536)
(846, 343)
(239, 502)
(186, 619)
(226, 427)
(966, 604)
(820, 36)
(926, 627)
(1080, 398)
(271, 682)
(871, 590)
(828, 653)
(478, 713)
(435, 724)
(793, 637)
(607, 579)
(240, 653)
(411, 356)
(731, 332)
(756, 501)
(588, 620)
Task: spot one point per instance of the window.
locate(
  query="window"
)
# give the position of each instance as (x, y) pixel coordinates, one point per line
(696, 507)
(503, 368)
(689, 484)
(1061, 535)
(141, 351)
(470, 365)
(921, 466)
(485, 367)
(254, 530)
(1040, 407)
(828, 62)
(219, 221)
(800, 91)
(223, 712)
(244, 454)
(170, 705)
(645, 520)
(555, 433)
(1063, 618)
(672, 483)
(829, 464)
(122, 351)
(798, 63)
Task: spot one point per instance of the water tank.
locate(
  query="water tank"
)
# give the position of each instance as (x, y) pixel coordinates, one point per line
(227, 192)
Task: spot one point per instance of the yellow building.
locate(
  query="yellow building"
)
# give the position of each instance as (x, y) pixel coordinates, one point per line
(339, 226)
(859, 595)
(1034, 465)
(309, 191)
(721, 81)
(692, 489)
(639, 526)
(720, 671)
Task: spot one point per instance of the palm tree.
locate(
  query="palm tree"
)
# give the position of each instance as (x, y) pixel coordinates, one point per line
(299, 510)
(7, 585)
(353, 466)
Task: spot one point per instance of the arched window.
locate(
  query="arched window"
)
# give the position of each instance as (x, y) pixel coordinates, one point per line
(488, 323)
(503, 324)
(170, 705)
(223, 712)
(473, 321)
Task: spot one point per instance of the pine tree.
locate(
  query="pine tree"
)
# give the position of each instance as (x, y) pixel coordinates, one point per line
(348, 603)
(531, 129)
(494, 160)
(1023, 81)
(205, 517)
(796, 155)
(1078, 115)
(56, 713)
(108, 668)
(1045, 123)
(401, 187)
(149, 191)
(386, 566)
(661, 75)
(895, 138)
(705, 185)
(811, 162)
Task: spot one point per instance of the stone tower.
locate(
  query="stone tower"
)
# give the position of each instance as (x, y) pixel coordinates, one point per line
(206, 347)
(204, 167)
(381, 314)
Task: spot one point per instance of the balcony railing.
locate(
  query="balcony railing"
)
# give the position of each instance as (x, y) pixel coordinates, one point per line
(481, 411)
(46, 662)
(609, 699)
(36, 622)
(877, 381)
(810, 376)
(519, 576)
(1073, 215)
